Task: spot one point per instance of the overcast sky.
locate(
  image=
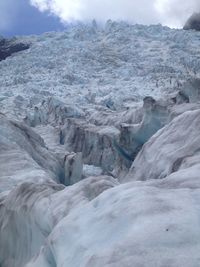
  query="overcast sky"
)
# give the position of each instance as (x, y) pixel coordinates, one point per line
(36, 16)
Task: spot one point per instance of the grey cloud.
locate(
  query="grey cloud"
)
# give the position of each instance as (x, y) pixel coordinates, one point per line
(176, 12)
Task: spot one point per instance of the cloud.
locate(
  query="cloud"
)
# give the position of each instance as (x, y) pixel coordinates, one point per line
(167, 12)
(176, 12)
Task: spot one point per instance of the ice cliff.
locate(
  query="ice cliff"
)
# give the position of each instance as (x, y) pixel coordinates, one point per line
(100, 148)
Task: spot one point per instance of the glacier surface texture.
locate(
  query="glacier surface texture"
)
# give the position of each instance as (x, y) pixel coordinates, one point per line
(100, 148)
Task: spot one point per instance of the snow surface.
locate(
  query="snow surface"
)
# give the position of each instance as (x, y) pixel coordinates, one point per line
(174, 147)
(99, 149)
(109, 66)
(128, 226)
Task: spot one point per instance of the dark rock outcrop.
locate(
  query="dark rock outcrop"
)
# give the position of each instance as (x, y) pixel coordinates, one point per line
(10, 46)
(193, 23)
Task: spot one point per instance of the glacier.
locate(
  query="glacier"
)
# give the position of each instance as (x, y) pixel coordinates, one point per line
(100, 148)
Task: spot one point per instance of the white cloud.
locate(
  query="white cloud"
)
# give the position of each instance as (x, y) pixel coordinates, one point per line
(176, 12)
(168, 12)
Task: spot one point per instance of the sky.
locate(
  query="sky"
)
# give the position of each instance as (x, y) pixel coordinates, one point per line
(18, 17)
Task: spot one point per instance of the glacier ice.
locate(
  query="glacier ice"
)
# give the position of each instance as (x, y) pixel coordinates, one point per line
(99, 148)
(128, 226)
(24, 156)
(168, 150)
(24, 228)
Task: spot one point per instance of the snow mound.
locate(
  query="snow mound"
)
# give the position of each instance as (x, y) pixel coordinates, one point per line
(169, 149)
(128, 226)
(24, 228)
(24, 156)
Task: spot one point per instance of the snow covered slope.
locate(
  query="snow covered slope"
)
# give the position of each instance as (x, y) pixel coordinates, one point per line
(99, 149)
(112, 66)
